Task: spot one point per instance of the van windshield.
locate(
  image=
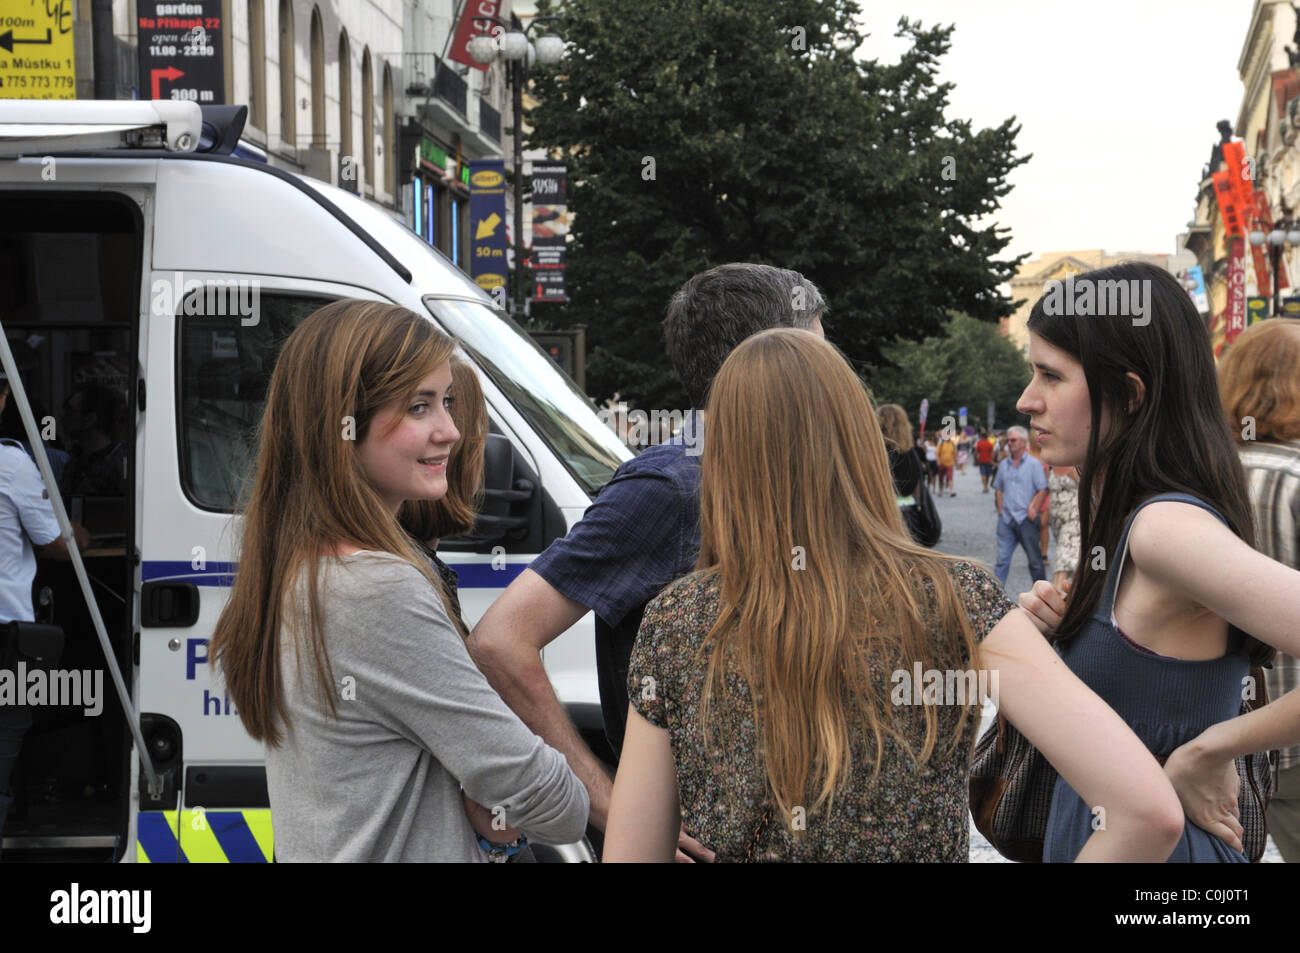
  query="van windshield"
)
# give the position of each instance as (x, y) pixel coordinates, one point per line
(531, 381)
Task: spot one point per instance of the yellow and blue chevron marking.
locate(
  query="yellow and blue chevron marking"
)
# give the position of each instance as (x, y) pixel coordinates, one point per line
(206, 837)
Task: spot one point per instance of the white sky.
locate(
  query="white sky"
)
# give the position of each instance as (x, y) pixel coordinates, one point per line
(1117, 100)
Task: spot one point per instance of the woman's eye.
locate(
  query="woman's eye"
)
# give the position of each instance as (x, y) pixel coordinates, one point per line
(448, 401)
(419, 408)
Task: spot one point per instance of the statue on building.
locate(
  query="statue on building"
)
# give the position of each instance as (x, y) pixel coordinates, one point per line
(1293, 53)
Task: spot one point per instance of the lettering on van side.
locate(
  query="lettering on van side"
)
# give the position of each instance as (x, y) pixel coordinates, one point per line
(196, 654)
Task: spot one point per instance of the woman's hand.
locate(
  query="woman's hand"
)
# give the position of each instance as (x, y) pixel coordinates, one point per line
(481, 819)
(1207, 787)
(1045, 605)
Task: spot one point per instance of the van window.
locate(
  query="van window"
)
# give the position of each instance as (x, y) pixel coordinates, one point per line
(225, 367)
(561, 413)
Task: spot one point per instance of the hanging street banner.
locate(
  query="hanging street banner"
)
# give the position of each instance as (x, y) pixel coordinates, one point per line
(473, 21)
(550, 230)
(1199, 297)
(36, 58)
(1234, 318)
(487, 222)
(180, 51)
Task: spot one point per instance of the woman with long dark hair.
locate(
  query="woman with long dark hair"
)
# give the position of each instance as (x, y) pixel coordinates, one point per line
(1170, 605)
(777, 704)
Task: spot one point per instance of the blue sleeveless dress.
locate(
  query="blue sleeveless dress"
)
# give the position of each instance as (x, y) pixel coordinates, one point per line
(1166, 701)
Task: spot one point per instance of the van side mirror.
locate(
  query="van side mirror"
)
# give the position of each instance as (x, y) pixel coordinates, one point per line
(502, 493)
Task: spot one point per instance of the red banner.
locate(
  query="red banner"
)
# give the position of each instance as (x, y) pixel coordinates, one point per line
(1261, 220)
(1235, 314)
(472, 23)
(1229, 199)
(1234, 157)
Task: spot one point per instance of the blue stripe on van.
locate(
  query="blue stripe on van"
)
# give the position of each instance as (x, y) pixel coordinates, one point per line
(221, 575)
(236, 840)
(213, 574)
(157, 838)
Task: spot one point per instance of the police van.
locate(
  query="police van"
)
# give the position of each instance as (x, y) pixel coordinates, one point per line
(151, 274)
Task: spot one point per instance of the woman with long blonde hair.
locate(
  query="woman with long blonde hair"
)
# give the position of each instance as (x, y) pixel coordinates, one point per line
(337, 646)
(783, 704)
(427, 521)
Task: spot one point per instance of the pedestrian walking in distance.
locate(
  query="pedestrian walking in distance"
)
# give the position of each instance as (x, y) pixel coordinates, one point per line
(1020, 489)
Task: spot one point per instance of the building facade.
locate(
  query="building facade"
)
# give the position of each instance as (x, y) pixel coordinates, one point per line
(1240, 263)
(1034, 273)
(362, 94)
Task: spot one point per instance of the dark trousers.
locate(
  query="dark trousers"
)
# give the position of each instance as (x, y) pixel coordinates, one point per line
(14, 722)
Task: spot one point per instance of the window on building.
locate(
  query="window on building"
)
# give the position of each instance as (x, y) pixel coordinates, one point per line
(317, 81)
(390, 150)
(345, 101)
(256, 65)
(367, 119)
(288, 95)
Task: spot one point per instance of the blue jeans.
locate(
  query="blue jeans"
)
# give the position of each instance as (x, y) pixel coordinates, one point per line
(1026, 534)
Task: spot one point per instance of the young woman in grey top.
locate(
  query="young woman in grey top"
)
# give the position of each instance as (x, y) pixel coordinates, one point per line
(383, 741)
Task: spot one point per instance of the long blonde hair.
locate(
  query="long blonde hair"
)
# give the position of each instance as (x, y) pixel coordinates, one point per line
(819, 580)
(309, 493)
(895, 427)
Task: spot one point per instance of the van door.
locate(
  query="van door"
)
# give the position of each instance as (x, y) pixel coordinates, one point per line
(214, 338)
(70, 295)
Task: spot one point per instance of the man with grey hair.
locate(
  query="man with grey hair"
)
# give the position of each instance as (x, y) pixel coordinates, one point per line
(639, 534)
(1020, 489)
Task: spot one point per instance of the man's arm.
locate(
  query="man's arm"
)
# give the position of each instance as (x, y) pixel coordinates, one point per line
(57, 548)
(1035, 504)
(506, 645)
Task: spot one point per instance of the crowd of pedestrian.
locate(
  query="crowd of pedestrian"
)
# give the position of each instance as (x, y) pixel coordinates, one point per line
(725, 584)
(756, 604)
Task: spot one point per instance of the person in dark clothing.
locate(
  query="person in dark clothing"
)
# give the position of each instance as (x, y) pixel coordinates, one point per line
(639, 534)
(907, 466)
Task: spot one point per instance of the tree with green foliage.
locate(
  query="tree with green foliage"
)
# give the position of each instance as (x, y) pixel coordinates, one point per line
(969, 366)
(700, 132)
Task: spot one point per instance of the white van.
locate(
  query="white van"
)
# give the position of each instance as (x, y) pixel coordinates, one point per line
(150, 277)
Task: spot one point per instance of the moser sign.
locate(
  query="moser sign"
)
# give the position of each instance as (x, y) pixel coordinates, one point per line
(1235, 314)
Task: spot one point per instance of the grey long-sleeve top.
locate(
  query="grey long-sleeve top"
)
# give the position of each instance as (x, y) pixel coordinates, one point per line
(416, 722)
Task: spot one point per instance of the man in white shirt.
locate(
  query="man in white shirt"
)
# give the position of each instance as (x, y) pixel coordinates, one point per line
(27, 522)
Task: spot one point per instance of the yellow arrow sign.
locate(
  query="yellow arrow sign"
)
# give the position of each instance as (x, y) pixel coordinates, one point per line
(487, 226)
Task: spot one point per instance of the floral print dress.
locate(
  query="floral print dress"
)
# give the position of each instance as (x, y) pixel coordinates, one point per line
(905, 814)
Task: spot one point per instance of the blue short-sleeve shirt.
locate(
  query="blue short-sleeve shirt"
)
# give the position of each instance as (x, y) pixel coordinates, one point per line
(640, 533)
(26, 517)
(1019, 482)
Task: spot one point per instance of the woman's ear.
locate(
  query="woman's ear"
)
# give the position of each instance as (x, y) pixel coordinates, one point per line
(1137, 392)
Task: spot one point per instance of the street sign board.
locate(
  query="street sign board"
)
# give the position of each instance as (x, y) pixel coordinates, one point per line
(180, 51)
(36, 58)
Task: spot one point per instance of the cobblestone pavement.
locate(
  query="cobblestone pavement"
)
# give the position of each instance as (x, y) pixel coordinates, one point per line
(969, 524)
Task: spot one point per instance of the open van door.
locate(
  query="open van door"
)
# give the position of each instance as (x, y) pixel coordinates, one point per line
(70, 352)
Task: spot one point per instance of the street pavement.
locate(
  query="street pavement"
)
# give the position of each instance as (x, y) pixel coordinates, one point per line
(969, 528)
